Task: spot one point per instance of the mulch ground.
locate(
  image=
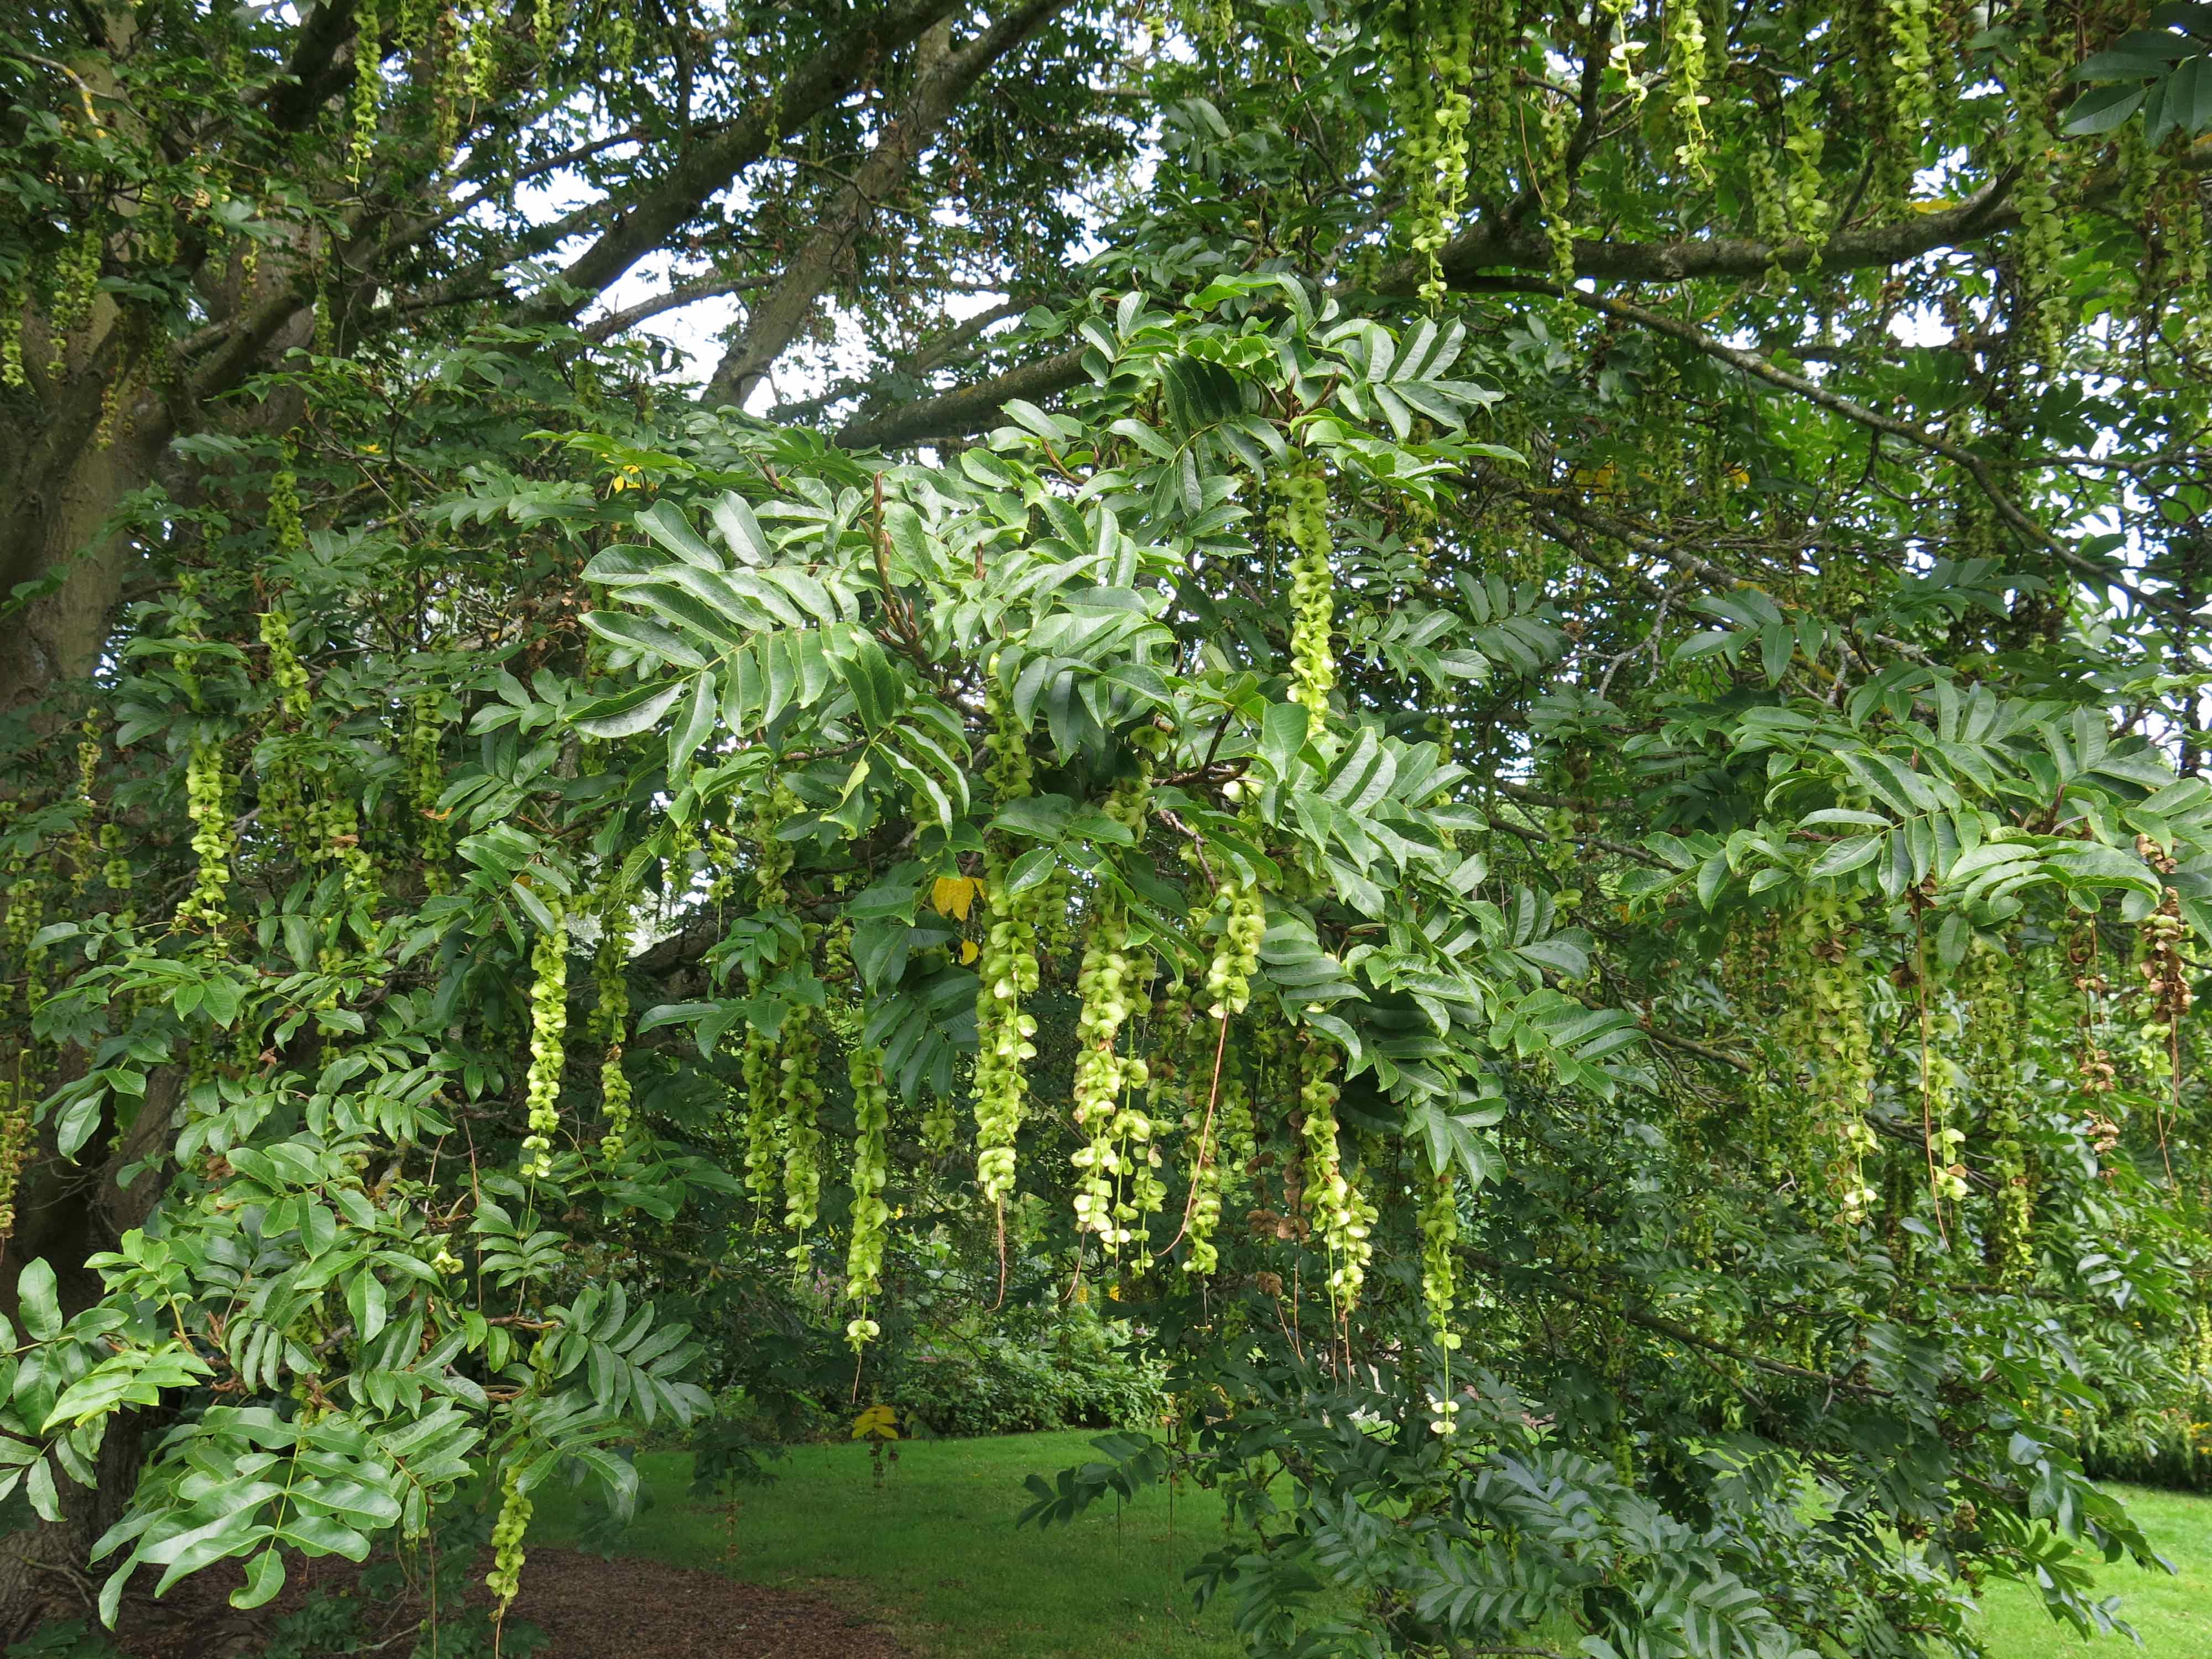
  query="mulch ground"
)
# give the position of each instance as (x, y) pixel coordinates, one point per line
(590, 1608)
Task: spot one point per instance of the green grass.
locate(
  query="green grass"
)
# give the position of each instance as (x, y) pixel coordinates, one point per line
(2173, 1613)
(935, 1554)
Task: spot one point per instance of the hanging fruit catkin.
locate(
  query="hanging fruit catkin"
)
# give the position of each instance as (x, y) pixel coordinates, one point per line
(864, 1253)
(504, 1581)
(1313, 589)
(1342, 1212)
(549, 1025)
(1007, 970)
(1103, 984)
(367, 83)
(1842, 1047)
(610, 1015)
(1686, 84)
(759, 1068)
(207, 804)
(426, 785)
(1439, 1232)
(800, 1095)
(1428, 51)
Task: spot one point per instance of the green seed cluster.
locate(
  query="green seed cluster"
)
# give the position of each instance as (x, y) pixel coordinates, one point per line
(1008, 969)
(549, 1025)
(1343, 1213)
(800, 1094)
(1686, 79)
(1555, 125)
(1428, 46)
(368, 83)
(1313, 589)
(1801, 191)
(19, 1103)
(116, 871)
(760, 1067)
(84, 840)
(74, 286)
(207, 804)
(1946, 1141)
(1837, 1037)
(425, 785)
(1439, 1232)
(1909, 26)
(1243, 925)
(1208, 1187)
(505, 1578)
(341, 843)
(14, 300)
(1118, 1181)
(763, 1125)
(940, 1126)
(1105, 982)
(1621, 50)
(287, 673)
(863, 1254)
(609, 1021)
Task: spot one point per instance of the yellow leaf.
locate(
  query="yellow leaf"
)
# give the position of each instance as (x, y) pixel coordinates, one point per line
(954, 895)
(968, 951)
(878, 1422)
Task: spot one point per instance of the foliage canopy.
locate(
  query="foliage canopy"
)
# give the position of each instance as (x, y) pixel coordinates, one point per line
(1501, 709)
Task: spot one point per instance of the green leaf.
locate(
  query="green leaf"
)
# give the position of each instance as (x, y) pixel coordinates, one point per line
(625, 714)
(1031, 868)
(740, 531)
(39, 1301)
(2100, 109)
(666, 526)
(1845, 856)
(693, 727)
(265, 1578)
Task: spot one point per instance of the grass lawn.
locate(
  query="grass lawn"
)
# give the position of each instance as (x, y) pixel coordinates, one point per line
(935, 1554)
(2173, 1614)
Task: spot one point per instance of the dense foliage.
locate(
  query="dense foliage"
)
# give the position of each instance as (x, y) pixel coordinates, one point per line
(1519, 754)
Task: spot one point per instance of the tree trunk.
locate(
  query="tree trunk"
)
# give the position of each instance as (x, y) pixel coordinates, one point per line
(67, 1214)
(58, 522)
(45, 1568)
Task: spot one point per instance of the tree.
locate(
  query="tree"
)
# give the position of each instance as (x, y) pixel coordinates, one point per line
(1568, 692)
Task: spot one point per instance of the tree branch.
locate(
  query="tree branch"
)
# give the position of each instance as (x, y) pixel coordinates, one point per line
(1975, 466)
(660, 207)
(919, 361)
(947, 75)
(683, 293)
(1553, 1285)
(1469, 256)
(965, 409)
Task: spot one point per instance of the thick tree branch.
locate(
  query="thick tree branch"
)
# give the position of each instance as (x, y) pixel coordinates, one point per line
(1975, 466)
(946, 76)
(683, 293)
(1553, 1284)
(1469, 257)
(660, 207)
(965, 409)
(919, 361)
(310, 75)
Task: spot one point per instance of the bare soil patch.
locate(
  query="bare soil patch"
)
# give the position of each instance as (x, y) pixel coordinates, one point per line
(589, 1607)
